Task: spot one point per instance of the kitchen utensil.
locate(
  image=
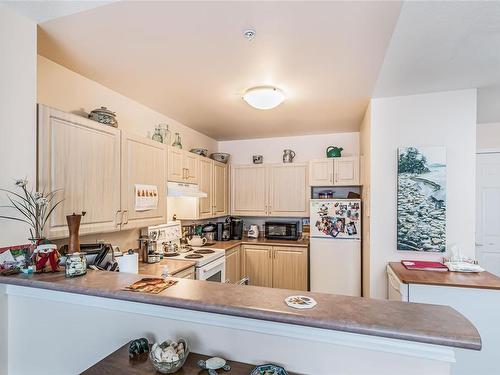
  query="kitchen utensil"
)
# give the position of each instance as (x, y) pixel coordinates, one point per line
(197, 241)
(104, 116)
(334, 152)
(220, 156)
(253, 231)
(177, 141)
(258, 159)
(288, 156)
(74, 228)
(199, 151)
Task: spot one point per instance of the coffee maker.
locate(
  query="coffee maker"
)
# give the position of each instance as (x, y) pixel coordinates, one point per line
(236, 225)
(223, 232)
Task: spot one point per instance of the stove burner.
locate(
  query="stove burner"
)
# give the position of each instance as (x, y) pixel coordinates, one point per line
(170, 254)
(193, 256)
(204, 251)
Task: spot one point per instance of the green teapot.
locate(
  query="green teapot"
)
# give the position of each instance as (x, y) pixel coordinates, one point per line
(333, 152)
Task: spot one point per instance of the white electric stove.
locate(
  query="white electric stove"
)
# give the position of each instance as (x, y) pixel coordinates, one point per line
(210, 263)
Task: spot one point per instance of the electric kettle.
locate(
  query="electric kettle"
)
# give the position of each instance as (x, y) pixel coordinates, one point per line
(333, 152)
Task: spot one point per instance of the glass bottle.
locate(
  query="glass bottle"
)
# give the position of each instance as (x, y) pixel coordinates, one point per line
(177, 141)
(165, 133)
(157, 135)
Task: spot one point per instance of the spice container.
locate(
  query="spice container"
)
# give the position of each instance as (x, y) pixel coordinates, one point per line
(76, 265)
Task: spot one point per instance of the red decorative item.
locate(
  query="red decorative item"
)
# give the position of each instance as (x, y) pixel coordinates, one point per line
(47, 260)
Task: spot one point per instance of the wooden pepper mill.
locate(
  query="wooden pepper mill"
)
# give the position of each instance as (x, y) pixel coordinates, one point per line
(74, 229)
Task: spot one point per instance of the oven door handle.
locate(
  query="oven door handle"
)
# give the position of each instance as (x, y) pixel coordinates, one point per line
(218, 262)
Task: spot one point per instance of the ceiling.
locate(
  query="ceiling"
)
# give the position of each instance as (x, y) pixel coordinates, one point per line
(190, 61)
(440, 46)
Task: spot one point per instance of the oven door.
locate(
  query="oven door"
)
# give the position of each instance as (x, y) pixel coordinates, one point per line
(213, 271)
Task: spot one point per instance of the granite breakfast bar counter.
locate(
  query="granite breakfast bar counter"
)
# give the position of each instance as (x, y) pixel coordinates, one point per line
(244, 323)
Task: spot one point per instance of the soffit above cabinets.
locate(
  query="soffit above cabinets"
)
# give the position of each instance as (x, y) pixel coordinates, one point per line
(190, 60)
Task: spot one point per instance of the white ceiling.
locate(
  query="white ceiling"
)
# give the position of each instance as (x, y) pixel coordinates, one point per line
(440, 46)
(190, 61)
(44, 10)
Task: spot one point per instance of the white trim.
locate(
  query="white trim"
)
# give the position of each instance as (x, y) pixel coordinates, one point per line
(488, 150)
(374, 343)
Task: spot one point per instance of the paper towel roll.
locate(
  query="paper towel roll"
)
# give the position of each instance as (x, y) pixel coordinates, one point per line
(128, 263)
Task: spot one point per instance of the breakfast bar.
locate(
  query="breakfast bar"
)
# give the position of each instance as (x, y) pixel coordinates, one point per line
(244, 323)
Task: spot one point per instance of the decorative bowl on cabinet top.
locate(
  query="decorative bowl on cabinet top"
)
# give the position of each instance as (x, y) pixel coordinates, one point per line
(104, 116)
(220, 156)
(334, 152)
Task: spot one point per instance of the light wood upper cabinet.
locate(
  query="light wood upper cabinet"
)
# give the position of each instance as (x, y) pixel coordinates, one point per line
(82, 158)
(258, 265)
(346, 171)
(289, 192)
(206, 185)
(290, 267)
(233, 264)
(321, 172)
(183, 166)
(249, 190)
(220, 189)
(343, 171)
(143, 162)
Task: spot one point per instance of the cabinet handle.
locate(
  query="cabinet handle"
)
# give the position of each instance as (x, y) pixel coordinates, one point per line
(125, 217)
(183, 173)
(118, 222)
(269, 254)
(187, 174)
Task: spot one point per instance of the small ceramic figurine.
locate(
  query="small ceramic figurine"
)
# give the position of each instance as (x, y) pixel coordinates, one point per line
(137, 347)
(213, 364)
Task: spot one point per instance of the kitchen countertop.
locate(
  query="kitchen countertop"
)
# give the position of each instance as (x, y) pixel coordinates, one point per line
(228, 245)
(481, 280)
(174, 266)
(425, 323)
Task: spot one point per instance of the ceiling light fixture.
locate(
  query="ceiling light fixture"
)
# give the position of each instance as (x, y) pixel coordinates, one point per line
(264, 97)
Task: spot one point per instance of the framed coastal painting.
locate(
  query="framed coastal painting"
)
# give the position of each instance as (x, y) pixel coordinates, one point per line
(421, 205)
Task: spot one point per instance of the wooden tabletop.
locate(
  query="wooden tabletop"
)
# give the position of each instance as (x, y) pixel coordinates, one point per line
(480, 280)
(118, 362)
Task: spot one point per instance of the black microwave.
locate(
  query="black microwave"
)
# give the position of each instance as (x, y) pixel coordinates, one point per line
(282, 230)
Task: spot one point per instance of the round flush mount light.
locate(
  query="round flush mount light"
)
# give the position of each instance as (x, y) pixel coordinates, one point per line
(264, 97)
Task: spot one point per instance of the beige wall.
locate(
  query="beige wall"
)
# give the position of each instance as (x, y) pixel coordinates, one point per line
(444, 118)
(307, 147)
(66, 90)
(17, 112)
(488, 135)
(365, 156)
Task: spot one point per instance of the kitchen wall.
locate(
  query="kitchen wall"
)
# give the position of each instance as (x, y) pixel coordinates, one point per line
(365, 161)
(307, 147)
(17, 131)
(444, 118)
(66, 90)
(488, 135)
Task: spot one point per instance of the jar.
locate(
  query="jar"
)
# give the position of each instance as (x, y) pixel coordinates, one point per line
(157, 135)
(177, 141)
(76, 264)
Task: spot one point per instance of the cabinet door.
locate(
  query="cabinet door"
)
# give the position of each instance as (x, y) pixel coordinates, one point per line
(205, 185)
(176, 171)
(186, 274)
(81, 158)
(289, 191)
(290, 267)
(233, 272)
(321, 172)
(190, 162)
(143, 162)
(249, 190)
(346, 171)
(257, 265)
(220, 189)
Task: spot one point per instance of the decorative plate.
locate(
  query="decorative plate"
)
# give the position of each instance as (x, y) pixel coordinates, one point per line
(269, 369)
(300, 302)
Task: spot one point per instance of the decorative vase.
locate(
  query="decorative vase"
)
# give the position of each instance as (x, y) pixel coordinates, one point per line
(177, 141)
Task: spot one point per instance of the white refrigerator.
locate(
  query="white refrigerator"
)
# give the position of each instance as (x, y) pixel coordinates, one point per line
(335, 246)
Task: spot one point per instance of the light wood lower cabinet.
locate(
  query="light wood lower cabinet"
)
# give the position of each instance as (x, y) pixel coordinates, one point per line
(233, 265)
(257, 265)
(275, 266)
(186, 274)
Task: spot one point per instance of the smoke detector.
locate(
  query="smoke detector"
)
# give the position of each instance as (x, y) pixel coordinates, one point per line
(249, 34)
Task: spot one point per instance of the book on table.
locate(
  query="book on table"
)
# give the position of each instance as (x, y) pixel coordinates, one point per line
(423, 265)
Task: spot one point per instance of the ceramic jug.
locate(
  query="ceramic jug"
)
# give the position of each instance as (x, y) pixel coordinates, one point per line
(288, 156)
(333, 152)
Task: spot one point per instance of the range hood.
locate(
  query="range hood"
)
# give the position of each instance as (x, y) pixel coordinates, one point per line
(179, 189)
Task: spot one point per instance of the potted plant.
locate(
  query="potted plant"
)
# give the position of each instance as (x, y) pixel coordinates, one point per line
(33, 208)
